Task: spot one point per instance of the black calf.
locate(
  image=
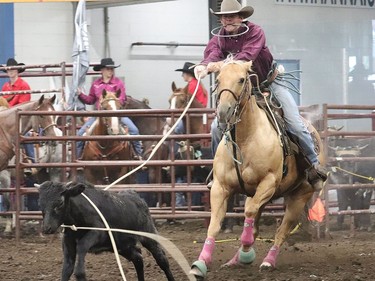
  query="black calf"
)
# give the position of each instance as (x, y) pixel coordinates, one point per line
(63, 204)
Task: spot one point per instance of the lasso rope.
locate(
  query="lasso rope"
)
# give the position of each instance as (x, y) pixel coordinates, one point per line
(171, 248)
(229, 35)
(154, 150)
(353, 174)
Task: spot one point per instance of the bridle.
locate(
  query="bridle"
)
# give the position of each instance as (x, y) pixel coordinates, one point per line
(242, 98)
(106, 118)
(42, 130)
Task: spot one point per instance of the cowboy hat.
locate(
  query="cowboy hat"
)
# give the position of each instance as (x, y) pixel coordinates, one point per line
(13, 62)
(107, 62)
(233, 7)
(188, 68)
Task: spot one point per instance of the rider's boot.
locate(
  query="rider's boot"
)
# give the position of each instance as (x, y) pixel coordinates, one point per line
(317, 175)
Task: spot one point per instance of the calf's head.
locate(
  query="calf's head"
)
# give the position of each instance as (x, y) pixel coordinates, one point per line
(54, 201)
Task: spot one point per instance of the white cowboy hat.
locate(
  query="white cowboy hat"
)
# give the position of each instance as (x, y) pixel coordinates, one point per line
(233, 7)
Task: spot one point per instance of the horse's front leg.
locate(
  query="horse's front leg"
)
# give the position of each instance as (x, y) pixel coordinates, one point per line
(253, 208)
(218, 200)
(294, 207)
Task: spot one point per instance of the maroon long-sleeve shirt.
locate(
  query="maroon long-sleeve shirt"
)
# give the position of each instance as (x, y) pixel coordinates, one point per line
(248, 46)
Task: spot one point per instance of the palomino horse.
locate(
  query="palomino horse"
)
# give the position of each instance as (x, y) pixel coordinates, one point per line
(106, 149)
(252, 163)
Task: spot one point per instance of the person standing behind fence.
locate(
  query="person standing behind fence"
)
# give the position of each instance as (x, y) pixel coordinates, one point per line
(111, 83)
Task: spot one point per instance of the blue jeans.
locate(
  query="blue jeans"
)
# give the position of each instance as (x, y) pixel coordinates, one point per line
(133, 130)
(292, 118)
(29, 149)
(180, 128)
(180, 196)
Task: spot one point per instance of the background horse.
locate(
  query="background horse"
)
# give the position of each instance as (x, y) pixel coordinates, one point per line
(8, 132)
(179, 99)
(45, 125)
(106, 149)
(150, 126)
(252, 162)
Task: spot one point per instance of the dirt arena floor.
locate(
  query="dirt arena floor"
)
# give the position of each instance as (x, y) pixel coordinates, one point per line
(337, 258)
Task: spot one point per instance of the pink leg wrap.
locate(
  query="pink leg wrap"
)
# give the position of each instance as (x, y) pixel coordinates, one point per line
(272, 255)
(247, 236)
(208, 249)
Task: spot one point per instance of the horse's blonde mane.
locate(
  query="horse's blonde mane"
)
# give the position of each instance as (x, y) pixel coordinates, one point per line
(230, 59)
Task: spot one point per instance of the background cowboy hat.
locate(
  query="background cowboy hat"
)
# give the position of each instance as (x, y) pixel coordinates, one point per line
(188, 68)
(233, 7)
(107, 62)
(13, 62)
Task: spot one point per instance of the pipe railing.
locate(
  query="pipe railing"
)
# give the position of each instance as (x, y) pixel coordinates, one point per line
(173, 187)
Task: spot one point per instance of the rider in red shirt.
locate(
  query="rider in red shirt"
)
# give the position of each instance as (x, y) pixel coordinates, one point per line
(189, 77)
(15, 83)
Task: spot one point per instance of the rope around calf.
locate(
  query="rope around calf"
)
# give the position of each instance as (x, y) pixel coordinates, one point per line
(168, 245)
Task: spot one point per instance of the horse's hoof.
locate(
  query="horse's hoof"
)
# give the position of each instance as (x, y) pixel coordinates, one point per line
(199, 270)
(247, 257)
(266, 266)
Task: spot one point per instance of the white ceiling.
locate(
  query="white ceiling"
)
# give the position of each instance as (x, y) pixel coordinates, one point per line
(113, 3)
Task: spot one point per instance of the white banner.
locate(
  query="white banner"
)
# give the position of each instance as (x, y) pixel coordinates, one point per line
(366, 4)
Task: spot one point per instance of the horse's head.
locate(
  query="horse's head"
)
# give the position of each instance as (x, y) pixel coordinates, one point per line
(233, 89)
(44, 124)
(179, 99)
(111, 101)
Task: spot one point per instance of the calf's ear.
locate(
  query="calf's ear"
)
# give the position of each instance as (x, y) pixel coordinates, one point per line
(74, 188)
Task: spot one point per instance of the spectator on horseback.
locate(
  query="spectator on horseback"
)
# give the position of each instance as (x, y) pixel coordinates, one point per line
(111, 83)
(189, 77)
(201, 96)
(246, 41)
(16, 83)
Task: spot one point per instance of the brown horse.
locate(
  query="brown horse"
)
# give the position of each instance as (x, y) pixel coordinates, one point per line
(150, 126)
(178, 100)
(254, 157)
(38, 123)
(3, 104)
(106, 149)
